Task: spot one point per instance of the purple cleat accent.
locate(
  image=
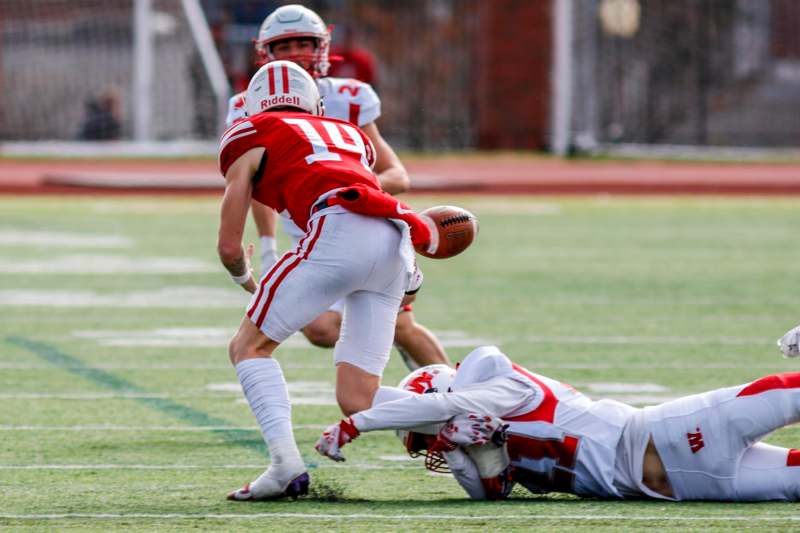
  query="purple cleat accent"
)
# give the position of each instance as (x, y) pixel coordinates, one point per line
(298, 486)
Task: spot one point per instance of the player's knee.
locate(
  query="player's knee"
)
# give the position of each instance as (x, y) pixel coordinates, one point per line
(322, 332)
(235, 350)
(351, 404)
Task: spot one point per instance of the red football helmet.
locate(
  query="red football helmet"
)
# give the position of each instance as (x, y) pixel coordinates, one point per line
(295, 22)
(425, 380)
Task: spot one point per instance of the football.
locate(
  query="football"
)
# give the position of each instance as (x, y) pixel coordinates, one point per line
(452, 231)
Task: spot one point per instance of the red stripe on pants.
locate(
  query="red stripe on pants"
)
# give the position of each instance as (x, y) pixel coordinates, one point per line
(271, 272)
(286, 271)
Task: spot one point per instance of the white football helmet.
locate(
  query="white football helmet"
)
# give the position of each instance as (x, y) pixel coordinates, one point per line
(425, 380)
(282, 84)
(431, 378)
(291, 22)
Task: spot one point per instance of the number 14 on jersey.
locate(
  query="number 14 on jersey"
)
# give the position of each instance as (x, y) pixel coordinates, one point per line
(320, 152)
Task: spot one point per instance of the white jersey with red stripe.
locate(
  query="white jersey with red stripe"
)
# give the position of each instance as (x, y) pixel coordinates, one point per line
(563, 441)
(345, 99)
(559, 439)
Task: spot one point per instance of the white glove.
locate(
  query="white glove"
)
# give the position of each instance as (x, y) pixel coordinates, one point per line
(335, 437)
(789, 343)
(468, 430)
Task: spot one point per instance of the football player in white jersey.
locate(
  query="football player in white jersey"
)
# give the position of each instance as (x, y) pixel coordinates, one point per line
(296, 33)
(514, 426)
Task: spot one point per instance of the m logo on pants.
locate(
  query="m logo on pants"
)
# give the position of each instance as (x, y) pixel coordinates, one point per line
(695, 441)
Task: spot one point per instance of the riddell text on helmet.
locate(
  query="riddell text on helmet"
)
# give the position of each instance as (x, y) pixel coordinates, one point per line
(282, 99)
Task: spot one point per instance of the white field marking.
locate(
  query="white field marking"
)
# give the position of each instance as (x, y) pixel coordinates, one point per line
(108, 264)
(299, 396)
(176, 297)
(567, 366)
(156, 366)
(651, 341)
(398, 458)
(148, 429)
(326, 464)
(154, 208)
(612, 387)
(405, 517)
(300, 392)
(178, 337)
(51, 239)
(459, 339)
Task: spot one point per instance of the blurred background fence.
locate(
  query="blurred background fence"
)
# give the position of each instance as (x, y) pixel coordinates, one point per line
(452, 74)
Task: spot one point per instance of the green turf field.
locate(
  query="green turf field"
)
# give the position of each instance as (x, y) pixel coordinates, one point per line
(118, 409)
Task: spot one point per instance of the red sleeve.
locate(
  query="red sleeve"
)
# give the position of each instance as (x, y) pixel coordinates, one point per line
(373, 202)
(237, 140)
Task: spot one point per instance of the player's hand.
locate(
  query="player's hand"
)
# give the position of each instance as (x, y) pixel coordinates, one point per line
(790, 343)
(499, 487)
(268, 258)
(468, 430)
(335, 437)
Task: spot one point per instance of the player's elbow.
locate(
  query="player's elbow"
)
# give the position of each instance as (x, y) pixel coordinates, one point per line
(229, 251)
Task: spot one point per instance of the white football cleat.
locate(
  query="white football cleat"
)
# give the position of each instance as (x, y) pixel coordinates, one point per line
(267, 487)
(790, 343)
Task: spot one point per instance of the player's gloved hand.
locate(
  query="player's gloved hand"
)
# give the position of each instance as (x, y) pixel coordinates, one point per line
(335, 437)
(499, 487)
(467, 430)
(790, 343)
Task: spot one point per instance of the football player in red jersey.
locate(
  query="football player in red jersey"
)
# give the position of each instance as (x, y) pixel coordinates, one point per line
(504, 424)
(296, 33)
(357, 248)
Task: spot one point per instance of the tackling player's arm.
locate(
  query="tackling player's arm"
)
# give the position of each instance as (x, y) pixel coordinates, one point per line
(495, 397)
(233, 215)
(388, 168)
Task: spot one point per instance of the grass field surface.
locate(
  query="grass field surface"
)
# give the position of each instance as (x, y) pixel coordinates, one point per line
(119, 410)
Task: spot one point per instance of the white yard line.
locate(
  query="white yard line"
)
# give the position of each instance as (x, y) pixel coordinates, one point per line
(49, 239)
(107, 264)
(173, 297)
(325, 464)
(650, 341)
(494, 518)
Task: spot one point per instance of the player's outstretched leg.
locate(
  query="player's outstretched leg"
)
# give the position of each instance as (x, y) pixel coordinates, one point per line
(266, 392)
(768, 472)
(417, 345)
(701, 439)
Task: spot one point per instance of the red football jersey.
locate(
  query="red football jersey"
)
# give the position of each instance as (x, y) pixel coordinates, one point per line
(306, 156)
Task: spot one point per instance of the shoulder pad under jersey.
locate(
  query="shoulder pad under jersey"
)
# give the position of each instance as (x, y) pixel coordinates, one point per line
(236, 109)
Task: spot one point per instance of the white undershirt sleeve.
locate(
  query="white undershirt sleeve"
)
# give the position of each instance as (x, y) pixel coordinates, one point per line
(495, 397)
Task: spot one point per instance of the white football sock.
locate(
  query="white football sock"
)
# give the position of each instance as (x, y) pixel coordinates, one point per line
(266, 392)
